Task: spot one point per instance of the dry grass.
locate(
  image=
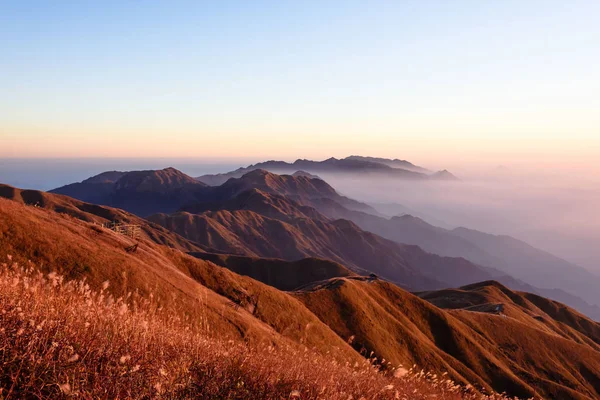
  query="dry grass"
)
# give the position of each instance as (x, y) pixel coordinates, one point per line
(62, 339)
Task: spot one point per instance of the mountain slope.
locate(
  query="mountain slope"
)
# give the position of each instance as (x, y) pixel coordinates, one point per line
(540, 346)
(246, 232)
(535, 266)
(284, 275)
(305, 190)
(140, 192)
(213, 298)
(523, 352)
(503, 255)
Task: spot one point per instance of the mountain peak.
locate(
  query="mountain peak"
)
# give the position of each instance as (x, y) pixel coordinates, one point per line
(444, 175)
(155, 180)
(105, 177)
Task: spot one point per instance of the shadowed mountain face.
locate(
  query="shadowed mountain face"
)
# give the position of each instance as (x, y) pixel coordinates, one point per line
(554, 277)
(263, 214)
(303, 189)
(252, 234)
(531, 346)
(140, 192)
(148, 192)
(359, 166)
(535, 266)
(267, 215)
(281, 274)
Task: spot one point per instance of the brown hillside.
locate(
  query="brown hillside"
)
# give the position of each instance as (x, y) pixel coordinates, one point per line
(203, 291)
(535, 347)
(522, 352)
(268, 204)
(303, 189)
(249, 233)
(284, 275)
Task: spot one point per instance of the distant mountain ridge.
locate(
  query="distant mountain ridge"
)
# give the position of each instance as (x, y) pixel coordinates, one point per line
(394, 163)
(551, 276)
(348, 165)
(141, 192)
(290, 217)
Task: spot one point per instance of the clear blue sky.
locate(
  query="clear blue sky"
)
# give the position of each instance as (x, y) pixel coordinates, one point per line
(290, 79)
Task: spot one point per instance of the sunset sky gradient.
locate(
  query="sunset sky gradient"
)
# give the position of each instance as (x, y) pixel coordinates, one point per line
(429, 81)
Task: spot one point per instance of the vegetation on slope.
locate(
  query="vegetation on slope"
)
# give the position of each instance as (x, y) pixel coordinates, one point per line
(61, 339)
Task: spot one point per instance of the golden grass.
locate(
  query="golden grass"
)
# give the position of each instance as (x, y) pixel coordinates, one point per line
(61, 339)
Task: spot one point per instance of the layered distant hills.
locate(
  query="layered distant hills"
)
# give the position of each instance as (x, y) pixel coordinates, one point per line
(380, 167)
(483, 334)
(262, 214)
(553, 276)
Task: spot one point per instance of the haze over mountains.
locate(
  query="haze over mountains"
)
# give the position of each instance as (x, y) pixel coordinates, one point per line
(531, 347)
(262, 214)
(397, 169)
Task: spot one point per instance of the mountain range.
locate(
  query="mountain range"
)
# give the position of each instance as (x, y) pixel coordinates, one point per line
(482, 334)
(551, 276)
(262, 214)
(370, 166)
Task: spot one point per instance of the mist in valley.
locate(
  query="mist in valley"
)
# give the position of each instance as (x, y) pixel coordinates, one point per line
(556, 213)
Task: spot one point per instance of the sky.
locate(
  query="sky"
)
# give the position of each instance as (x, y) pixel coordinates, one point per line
(435, 82)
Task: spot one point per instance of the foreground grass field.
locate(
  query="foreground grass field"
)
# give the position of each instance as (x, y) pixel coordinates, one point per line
(61, 339)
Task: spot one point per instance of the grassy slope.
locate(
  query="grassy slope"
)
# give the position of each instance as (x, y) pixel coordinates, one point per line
(517, 353)
(203, 291)
(59, 339)
(284, 275)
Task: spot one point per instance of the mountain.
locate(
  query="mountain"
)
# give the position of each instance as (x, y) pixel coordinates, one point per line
(394, 163)
(51, 237)
(355, 166)
(264, 229)
(532, 346)
(140, 192)
(444, 175)
(535, 266)
(306, 174)
(267, 204)
(501, 255)
(308, 191)
(291, 199)
(284, 275)
(168, 190)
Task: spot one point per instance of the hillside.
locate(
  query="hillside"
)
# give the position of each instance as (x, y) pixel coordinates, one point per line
(539, 346)
(140, 192)
(284, 275)
(524, 351)
(75, 248)
(292, 198)
(263, 214)
(502, 255)
(248, 233)
(535, 266)
(60, 340)
(305, 190)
